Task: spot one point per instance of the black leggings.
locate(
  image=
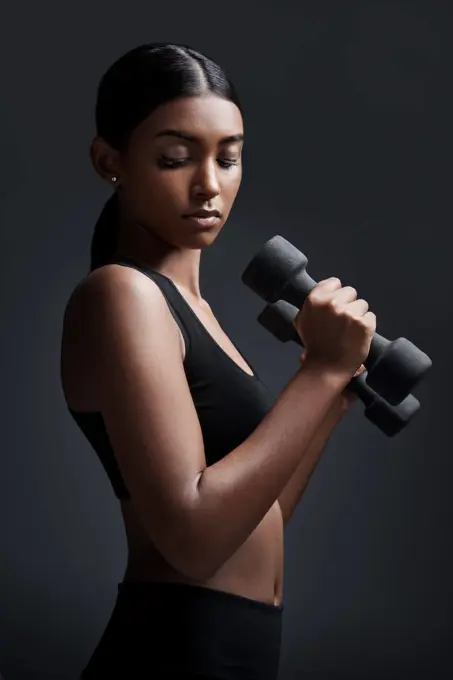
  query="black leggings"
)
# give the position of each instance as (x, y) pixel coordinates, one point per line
(159, 631)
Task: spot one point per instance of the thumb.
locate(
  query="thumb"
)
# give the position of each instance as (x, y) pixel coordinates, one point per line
(359, 371)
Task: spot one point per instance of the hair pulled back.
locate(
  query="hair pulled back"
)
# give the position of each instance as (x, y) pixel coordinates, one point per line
(132, 88)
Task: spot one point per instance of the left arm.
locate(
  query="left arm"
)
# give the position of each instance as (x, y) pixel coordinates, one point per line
(292, 492)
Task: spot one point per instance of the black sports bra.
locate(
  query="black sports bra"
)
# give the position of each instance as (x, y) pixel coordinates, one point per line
(229, 402)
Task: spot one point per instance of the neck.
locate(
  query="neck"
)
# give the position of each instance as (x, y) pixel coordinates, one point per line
(181, 265)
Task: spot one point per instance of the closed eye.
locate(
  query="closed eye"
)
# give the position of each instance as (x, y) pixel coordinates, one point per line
(166, 162)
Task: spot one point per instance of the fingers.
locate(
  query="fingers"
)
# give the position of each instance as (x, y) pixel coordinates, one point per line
(358, 307)
(345, 296)
(327, 285)
(332, 292)
(371, 321)
(331, 281)
(359, 371)
(323, 290)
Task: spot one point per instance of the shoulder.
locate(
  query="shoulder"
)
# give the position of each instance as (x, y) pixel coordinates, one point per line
(115, 312)
(113, 293)
(114, 283)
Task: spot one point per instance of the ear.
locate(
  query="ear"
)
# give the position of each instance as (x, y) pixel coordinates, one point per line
(105, 159)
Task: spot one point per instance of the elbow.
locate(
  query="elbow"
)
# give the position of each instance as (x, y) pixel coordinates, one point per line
(196, 551)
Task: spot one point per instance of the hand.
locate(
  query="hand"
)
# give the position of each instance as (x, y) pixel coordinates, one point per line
(335, 328)
(346, 399)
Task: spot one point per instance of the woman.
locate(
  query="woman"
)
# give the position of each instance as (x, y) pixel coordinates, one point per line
(198, 453)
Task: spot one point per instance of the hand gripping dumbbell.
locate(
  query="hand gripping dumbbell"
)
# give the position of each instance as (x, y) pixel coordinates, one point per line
(278, 319)
(278, 272)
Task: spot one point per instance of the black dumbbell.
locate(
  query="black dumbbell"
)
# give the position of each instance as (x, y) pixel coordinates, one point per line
(278, 319)
(278, 272)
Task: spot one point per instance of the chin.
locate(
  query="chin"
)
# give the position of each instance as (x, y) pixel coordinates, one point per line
(202, 240)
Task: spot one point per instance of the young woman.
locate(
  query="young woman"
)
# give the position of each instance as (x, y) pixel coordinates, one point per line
(206, 465)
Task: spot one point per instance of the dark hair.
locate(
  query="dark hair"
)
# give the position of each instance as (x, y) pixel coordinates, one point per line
(136, 84)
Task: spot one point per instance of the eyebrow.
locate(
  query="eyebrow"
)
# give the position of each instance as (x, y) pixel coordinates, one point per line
(193, 138)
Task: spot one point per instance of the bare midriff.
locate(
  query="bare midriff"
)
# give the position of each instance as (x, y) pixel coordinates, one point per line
(254, 571)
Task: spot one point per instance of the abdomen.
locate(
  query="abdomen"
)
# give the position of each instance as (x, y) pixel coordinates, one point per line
(255, 570)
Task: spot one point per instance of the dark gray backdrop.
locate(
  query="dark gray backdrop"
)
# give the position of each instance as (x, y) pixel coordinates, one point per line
(348, 155)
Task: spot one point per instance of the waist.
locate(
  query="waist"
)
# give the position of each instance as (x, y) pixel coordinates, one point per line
(174, 594)
(193, 629)
(254, 571)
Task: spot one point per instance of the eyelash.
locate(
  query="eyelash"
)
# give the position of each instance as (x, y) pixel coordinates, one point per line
(178, 162)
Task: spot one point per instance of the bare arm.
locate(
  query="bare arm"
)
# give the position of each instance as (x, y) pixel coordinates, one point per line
(238, 491)
(197, 516)
(293, 490)
(295, 487)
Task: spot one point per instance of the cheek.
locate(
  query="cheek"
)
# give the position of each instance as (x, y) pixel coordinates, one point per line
(156, 190)
(231, 185)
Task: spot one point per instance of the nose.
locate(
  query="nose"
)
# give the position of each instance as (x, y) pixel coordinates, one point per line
(206, 182)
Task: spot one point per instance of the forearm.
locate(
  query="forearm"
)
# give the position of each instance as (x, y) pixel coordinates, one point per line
(236, 492)
(295, 487)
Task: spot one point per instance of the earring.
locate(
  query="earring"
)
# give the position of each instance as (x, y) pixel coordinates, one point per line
(114, 179)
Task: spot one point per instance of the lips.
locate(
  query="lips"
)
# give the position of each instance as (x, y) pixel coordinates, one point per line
(204, 214)
(203, 222)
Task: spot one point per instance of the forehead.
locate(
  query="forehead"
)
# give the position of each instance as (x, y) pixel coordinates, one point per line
(203, 117)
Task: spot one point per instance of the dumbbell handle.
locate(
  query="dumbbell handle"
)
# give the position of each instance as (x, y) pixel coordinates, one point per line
(357, 384)
(305, 284)
(278, 318)
(278, 272)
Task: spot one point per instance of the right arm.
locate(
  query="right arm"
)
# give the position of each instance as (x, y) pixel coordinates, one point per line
(197, 516)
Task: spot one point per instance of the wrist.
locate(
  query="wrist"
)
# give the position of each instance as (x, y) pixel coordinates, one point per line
(333, 377)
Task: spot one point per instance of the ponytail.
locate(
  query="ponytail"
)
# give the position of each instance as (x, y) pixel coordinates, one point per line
(105, 235)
